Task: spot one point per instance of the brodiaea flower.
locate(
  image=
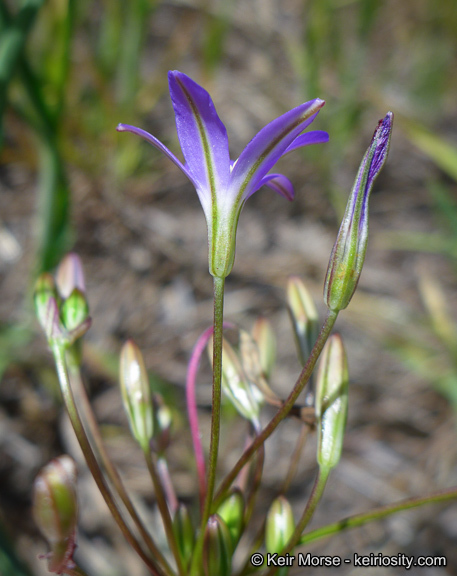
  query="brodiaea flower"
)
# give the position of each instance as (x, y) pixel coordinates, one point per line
(224, 186)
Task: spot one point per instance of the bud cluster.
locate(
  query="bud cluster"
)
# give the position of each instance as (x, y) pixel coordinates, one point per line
(61, 305)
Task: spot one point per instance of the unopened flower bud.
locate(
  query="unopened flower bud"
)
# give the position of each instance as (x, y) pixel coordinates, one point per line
(75, 310)
(348, 253)
(55, 509)
(236, 385)
(249, 355)
(331, 402)
(46, 307)
(184, 534)
(232, 513)
(217, 548)
(136, 394)
(303, 313)
(70, 275)
(279, 526)
(265, 338)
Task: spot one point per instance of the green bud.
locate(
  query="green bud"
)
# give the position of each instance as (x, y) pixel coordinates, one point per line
(303, 313)
(136, 394)
(184, 534)
(45, 289)
(348, 254)
(232, 513)
(46, 307)
(331, 402)
(70, 275)
(217, 548)
(74, 310)
(279, 526)
(55, 509)
(265, 338)
(236, 384)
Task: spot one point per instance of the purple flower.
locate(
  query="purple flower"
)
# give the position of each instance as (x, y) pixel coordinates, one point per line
(223, 186)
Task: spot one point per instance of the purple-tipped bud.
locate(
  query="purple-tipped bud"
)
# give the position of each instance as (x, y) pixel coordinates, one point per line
(265, 338)
(70, 275)
(279, 526)
(136, 394)
(217, 548)
(55, 510)
(304, 317)
(348, 253)
(331, 402)
(232, 513)
(184, 534)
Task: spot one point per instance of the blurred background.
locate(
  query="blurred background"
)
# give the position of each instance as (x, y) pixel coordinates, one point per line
(69, 73)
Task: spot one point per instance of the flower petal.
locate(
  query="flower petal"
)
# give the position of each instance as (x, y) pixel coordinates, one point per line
(280, 184)
(314, 137)
(265, 149)
(157, 144)
(202, 135)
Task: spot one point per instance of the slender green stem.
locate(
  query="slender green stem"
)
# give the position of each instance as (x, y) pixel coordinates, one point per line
(59, 357)
(113, 475)
(284, 410)
(165, 479)
(377, 514)
(164, 510)
(217, 394)
(215, 420)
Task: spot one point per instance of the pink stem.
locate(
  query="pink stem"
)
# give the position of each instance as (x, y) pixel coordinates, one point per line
(192, 412)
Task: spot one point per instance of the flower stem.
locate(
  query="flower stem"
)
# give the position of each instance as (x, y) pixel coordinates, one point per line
(295, 459)
(77, 384)
(258, 471)
(215, 419)
(59, 357)
(217, 393)
(164, 510)
(165, 479)
(284, 410)
(377, 514)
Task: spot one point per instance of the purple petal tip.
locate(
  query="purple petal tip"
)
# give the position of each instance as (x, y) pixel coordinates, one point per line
(381, 140)
(120, 128)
